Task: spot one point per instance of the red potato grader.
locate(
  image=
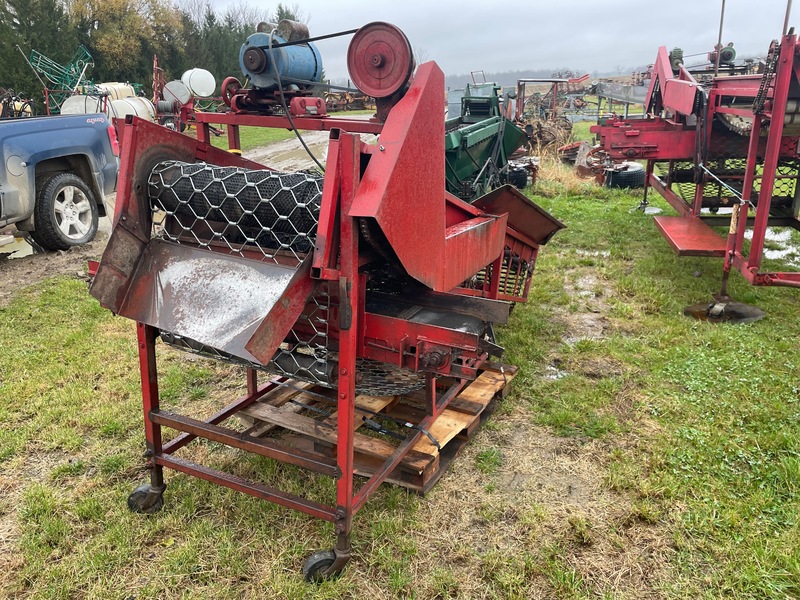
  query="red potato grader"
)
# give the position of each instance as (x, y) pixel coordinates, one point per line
(723, 151)
(368, 293)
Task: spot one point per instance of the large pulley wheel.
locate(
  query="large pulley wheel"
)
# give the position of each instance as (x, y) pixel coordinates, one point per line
(380, 59)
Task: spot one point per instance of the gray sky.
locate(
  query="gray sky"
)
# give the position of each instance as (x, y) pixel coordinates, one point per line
(585, 35)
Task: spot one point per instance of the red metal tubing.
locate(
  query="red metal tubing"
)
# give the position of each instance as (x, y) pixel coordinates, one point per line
(255, 445)
(404, 448)
(301, 123)
(180, 441)
(240, 484)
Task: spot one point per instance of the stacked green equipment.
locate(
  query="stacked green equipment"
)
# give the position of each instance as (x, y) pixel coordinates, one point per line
(478, 143)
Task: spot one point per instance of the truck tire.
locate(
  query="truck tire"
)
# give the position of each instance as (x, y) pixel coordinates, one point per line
(633, 177)
(65, 214)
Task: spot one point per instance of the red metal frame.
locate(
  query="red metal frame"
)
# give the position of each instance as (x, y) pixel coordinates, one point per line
(681, 127)
(439, 240)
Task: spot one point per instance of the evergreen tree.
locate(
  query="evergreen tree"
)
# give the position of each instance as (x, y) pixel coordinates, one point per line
(21, 24)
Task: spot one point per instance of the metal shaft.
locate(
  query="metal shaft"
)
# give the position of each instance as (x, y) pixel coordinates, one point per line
(719, 40)
(786, 19)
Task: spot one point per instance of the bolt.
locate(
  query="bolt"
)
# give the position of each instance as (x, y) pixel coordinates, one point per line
(377, 60)
(342, 395)
(343, 371)
(381, 148)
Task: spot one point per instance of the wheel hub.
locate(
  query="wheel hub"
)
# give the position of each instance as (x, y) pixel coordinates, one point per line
(73, 212)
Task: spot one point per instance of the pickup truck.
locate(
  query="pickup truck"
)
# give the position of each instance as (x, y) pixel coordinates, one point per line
(55, 174)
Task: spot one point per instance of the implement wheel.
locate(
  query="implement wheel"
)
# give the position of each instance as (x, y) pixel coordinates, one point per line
(146, 499)
(315, 566)
(633, 177)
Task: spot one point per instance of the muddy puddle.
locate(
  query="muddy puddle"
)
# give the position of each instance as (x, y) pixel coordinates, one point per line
(15, 247)
(784, 248)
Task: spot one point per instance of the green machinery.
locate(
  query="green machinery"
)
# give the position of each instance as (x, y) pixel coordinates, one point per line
(478, 143)
(62, 80)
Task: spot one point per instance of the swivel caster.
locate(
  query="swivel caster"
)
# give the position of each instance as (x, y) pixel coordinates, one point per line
(323, 565)
(147, 499)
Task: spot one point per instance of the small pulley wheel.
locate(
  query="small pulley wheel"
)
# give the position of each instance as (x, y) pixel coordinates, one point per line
(230, 87)
(379, 59)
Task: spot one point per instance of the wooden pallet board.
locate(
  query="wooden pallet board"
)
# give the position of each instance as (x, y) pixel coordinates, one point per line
(281, 411)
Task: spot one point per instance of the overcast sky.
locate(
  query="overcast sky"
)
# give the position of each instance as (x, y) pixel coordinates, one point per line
(586, 35)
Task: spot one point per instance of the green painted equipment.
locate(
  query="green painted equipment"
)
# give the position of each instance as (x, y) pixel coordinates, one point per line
(478, 143)
(62, 80)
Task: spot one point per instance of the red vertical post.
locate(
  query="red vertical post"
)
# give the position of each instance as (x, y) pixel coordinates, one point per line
(147, 368)
(203, 132)
(780, 95)
(234, 143)
(349, 322)
(736, 241)
(252, 382)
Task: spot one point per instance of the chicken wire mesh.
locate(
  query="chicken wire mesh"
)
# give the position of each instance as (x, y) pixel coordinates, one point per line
(275, 214)
(732, 171)
(236, 209)
(727, 160)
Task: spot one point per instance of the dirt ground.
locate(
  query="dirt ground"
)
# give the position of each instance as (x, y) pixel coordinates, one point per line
(16, 273)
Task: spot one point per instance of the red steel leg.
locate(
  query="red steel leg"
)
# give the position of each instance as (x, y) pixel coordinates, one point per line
(350, 284)
(152, 431)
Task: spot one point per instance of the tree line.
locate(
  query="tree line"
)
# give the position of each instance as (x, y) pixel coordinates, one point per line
(123, 35)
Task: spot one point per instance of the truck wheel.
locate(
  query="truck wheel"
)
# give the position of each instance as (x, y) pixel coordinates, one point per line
(65, 213)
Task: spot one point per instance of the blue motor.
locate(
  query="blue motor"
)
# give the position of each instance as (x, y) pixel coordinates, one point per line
(298, 65)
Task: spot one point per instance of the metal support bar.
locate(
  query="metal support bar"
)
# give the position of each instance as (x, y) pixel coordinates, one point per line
(235, 439)
(180, 441)
(240, 484)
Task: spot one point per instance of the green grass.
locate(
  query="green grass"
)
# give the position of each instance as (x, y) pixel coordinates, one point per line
(256, 137)
(253, 137)
(676, 445)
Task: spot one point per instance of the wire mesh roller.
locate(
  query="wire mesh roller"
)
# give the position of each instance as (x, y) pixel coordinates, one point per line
(267, 210)
(276, 213)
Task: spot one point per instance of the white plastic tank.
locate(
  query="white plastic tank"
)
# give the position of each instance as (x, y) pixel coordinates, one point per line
(140, 107)
(117, 90)
(199, 82)
(80, 104)
(176, 91)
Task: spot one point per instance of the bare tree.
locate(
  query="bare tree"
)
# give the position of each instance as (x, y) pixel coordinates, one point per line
(195, 9)
(244, 16)
(293, 13)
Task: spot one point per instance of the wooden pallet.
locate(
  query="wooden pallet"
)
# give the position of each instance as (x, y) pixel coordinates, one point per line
(303, 416)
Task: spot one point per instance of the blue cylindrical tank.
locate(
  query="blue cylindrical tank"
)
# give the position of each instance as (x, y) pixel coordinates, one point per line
(294, 63)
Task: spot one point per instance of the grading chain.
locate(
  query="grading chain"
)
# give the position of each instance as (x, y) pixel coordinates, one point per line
(766, 80)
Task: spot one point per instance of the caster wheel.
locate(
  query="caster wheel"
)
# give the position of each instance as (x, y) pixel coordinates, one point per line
(146, 499)
(316, 565)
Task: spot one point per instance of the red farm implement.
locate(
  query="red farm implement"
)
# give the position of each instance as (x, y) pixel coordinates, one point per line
(722, 149)
(352, 289)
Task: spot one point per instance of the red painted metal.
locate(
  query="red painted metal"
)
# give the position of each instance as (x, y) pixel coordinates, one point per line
(397, 186)
(683, 132)
(380, 60)
(674, 93)
(690, 237)
(302, 123)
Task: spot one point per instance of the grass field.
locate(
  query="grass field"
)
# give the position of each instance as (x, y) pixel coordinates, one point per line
(641, 454)
(256, 137)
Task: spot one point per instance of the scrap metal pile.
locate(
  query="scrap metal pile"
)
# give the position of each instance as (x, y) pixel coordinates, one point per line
(722, 150)
(369, 279)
